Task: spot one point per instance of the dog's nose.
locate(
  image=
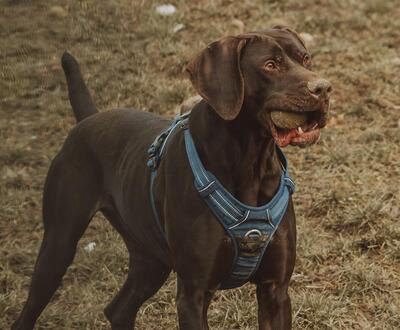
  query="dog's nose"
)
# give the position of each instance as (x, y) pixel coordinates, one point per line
(320, 88)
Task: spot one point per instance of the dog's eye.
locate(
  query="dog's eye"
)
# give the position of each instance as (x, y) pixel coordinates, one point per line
(270, 65)
(306, 60)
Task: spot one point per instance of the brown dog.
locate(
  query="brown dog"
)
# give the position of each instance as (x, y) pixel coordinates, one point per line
(102, 167)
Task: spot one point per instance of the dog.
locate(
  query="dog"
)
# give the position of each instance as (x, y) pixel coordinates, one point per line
(250, 84)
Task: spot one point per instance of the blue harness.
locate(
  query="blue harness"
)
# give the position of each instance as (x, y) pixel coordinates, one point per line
(250, 228)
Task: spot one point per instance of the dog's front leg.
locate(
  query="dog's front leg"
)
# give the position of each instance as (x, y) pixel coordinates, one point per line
(192, 303)
(274, 308)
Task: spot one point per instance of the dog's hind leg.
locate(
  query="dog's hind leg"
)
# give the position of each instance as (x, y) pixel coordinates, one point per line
(146, 276)
(71, 195)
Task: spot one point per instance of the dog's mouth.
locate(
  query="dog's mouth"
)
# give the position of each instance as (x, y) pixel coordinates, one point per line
(296, 128)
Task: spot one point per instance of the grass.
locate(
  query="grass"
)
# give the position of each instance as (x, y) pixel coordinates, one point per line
(347, 201)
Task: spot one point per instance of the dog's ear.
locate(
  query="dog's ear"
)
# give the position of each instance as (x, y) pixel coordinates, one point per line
(216, 75)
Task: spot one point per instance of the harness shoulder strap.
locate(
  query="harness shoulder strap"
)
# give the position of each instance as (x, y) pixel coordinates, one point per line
(202, 179)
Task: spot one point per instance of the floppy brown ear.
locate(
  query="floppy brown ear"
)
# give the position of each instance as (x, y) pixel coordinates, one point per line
(216, 75)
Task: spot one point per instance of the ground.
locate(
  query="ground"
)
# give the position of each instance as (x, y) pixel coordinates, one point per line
(347, 202)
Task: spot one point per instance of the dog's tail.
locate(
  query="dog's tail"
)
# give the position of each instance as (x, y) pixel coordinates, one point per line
(79, 95)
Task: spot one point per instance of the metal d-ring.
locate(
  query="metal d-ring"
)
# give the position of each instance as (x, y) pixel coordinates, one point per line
(253, 231)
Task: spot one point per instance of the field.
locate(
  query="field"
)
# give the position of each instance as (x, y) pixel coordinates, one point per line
(348, 197)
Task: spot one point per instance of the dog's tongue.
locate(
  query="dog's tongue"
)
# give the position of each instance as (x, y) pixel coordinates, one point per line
(284, 138)
(296, 137)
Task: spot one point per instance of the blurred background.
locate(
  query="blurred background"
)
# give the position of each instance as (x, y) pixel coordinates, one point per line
(133, 53)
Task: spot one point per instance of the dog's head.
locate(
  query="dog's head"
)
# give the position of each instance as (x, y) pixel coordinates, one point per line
(266, 74)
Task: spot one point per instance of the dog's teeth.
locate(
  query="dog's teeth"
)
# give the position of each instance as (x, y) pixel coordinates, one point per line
(315, 126)
(300, 130)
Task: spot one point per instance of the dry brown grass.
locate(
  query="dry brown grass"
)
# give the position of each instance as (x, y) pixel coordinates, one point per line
(347, 271)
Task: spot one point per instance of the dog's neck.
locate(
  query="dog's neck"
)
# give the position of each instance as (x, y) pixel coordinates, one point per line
(239, 153)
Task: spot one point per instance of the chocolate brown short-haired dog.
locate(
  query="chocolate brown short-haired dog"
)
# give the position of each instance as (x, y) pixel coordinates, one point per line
(258, 93)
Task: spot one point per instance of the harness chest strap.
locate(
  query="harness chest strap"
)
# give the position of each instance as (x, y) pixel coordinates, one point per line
(250, 228)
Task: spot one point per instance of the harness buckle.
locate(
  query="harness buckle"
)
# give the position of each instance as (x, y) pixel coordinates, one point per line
(159, 140)
(151, 152)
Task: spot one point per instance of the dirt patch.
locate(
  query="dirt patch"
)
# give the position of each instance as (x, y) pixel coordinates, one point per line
(347, 202)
